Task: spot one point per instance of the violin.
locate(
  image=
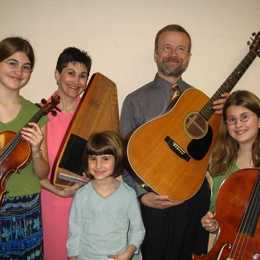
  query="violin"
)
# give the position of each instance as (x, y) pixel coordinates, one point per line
(237, 212)
(15, 152)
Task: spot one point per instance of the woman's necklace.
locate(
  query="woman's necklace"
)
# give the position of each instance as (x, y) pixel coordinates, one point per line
(67, 107)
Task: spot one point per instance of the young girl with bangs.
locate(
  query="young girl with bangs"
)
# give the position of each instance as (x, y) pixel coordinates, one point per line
(105, 219)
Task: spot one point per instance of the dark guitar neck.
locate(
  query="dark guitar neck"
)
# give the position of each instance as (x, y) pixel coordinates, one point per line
(229, 83)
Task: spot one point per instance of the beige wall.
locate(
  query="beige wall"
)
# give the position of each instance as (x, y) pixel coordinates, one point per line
(119, 36)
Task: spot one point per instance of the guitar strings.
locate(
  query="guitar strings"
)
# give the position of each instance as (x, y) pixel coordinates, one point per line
(242, 239)
(229, 83)
(6, 152)
(246, 226)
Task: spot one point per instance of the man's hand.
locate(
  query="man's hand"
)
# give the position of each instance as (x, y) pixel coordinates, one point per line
(219, 103)
(153, 200)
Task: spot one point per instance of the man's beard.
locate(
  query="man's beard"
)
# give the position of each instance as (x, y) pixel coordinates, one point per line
(171, 71)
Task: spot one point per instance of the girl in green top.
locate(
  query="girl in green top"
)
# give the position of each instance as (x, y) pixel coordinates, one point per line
(237, 147)
(20, 228)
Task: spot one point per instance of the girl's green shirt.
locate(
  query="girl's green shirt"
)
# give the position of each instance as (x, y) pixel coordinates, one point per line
(25, 181)
(217, 183)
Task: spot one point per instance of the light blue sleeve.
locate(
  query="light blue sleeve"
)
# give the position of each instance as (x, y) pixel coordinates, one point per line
(136, 230)
(73, 243)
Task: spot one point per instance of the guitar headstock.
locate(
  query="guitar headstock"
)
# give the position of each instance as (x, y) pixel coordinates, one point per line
(254, 43)
(50, 105)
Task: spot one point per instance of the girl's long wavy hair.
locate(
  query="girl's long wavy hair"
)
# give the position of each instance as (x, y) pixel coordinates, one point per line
(225, 150)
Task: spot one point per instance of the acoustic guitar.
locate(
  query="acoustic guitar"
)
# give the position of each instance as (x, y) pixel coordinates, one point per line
(170, 153)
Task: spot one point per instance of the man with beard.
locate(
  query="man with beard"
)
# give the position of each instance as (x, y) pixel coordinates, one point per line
(173, 232)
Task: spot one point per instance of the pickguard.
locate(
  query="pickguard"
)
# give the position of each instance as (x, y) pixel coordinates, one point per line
(198, 148)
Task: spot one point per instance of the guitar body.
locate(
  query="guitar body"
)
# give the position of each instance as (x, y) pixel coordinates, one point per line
(170, 153)
(154, 148)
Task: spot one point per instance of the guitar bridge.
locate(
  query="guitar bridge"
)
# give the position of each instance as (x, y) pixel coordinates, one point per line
(176, 148)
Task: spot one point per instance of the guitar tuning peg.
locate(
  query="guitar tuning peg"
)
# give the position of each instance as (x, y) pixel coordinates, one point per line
(253, 34)
(248, 43)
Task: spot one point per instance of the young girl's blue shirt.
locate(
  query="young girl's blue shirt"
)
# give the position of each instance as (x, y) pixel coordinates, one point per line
(101, 226)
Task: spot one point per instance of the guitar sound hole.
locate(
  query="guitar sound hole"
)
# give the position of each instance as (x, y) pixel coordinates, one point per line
(195, 126)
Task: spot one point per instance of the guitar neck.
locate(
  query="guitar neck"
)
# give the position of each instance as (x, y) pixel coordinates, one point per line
(229, 83)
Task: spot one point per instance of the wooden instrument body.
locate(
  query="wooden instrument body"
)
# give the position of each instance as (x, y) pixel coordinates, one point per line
(153, 160)
(232, 202)
(17, 159)
(97, 111)
(170, 153)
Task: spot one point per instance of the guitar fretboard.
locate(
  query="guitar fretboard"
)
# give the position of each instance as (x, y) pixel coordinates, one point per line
(228, 84)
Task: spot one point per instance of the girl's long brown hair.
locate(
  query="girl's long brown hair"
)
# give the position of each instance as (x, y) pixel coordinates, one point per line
(225, 150)
(11, 45)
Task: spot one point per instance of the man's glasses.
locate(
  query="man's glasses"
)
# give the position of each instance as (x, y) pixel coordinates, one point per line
(179, 50)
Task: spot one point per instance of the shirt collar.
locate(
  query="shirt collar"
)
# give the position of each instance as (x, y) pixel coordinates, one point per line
(162, 83)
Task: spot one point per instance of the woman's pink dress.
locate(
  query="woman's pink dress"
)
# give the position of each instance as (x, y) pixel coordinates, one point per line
(55, 209)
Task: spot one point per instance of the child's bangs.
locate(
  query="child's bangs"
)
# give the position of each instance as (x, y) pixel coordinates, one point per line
(99, 150)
